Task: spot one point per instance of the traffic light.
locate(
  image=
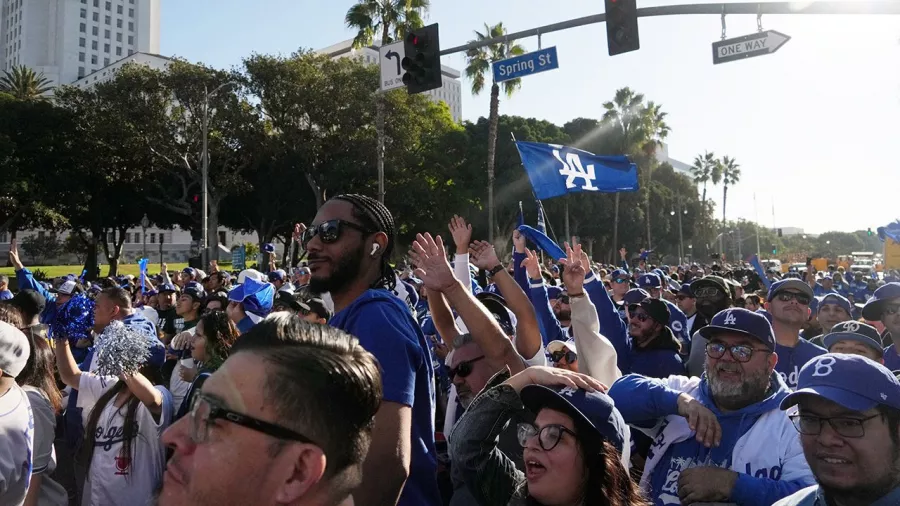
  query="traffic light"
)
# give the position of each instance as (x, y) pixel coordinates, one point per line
(869, 232)
(422, 60)
(622, 26)
(774, 249)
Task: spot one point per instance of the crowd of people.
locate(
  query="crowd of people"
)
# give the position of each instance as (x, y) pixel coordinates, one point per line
(449, 378)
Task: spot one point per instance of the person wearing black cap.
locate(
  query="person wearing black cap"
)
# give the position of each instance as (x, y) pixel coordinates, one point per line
(848, 417)
(31, 303)
(688, 304)
(884, 306)
(573, 451)
(719, 438)
(854, 338)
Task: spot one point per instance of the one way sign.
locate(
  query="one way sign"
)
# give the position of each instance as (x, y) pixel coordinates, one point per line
(748, 46)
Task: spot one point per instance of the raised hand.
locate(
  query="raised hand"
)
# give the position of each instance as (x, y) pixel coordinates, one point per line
(299, 228)
(532, 265)
(431, 262)
(14, 255)
(461, 232)
(519, 241)
(622, 253)
(482, 255)
(551, 376)
(573, 274)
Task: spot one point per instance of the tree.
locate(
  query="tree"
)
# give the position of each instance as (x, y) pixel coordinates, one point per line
(704, 170)
(73, 244)
(478, 63)
(731, 174)
(394, 18)
(41, 247)
(655, 130)
(24, 83)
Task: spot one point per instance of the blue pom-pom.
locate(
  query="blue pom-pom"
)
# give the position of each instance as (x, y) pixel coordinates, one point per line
(74, 320)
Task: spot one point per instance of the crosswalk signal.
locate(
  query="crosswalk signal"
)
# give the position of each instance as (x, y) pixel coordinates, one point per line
(422, 62)
(622, 26)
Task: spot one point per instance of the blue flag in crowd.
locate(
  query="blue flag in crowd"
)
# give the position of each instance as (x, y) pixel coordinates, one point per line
(541, 227)
(754, 261)
(555, 170)
(542, 241)
(891, 231)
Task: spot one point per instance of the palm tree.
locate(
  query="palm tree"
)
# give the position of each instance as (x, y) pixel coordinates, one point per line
(655, 129)
(25, 84)
(731, 174)
(704, 170)
(393, 18)
(478, 63)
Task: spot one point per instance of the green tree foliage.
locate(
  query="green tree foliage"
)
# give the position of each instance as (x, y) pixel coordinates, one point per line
(24, 83)
(41, 247)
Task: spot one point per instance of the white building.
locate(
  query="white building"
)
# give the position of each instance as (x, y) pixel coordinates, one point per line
(108, 73)
(70, 39)
(450, 93)
(662, 156)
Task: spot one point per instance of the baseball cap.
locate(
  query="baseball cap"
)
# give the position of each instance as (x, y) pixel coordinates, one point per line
(741, 321)
(250, 273)
(68, 287)
(189, 271)
(256, 296)
(854, 331)
(836, 300)
(196, 292)
(557, 345)
(29, 301)
(790, 284)
(619, 273)
(14, 350)
(286, 299)
(686, 290)
(496, 304)
(303, 270)
(635, 296)
(708, 286)
(168, 287)
(553, 292)
(269, 247)
(277, 275)
(854, 382)
(594, 410)
(875, 306)
(649, 281)
(656, 309)
(316, 305)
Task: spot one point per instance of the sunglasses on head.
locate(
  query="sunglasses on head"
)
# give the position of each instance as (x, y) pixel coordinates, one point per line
(563, 299)
(464, 368)
(789, 296)
(329, 231)
(569, 355)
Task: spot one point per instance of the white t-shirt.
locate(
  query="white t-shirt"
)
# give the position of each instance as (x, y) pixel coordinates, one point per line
(51, 493)
(16, 443)
(178, 386)
(115, 479)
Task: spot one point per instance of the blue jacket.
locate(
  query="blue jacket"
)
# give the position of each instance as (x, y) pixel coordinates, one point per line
(758, 442)
(551, 330)
(27, 282)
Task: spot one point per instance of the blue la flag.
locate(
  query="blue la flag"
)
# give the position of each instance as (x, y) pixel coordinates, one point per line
(754, 261)
(541, 226)
(555, 170)
(891, 231)
(543, 242)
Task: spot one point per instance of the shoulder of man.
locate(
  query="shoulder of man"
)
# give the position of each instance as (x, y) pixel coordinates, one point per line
(802, 497)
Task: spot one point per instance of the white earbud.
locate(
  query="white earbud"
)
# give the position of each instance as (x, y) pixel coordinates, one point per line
(375, 248)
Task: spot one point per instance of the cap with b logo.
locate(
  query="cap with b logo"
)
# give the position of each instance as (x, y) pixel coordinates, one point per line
(854, 331)
(853, 381)
(741, 321)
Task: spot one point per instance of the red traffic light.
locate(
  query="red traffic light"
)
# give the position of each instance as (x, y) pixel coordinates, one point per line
(417, 41)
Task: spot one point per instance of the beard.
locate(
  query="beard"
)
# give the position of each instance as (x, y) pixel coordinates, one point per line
(344, 271)
(564, 315)
(732, 396)
(873, 490)
(708, 308)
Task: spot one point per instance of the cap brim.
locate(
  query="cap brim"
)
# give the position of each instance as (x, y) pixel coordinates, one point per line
(709, 331)
(797, 285)
(849, 400)
(537, 397)
(830, 339)
(872, 310)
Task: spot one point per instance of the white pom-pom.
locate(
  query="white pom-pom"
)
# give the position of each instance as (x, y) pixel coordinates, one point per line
(120, 350)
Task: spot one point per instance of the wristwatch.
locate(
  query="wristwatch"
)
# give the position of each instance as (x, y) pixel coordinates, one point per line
(493, 271)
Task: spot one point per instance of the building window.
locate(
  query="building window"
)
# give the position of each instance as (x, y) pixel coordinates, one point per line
(130, 52)
(109, 6)
(107, 20)
(105, 48)
(106, 62)
(82, 42)
(118, 23)
(152, 238)
(130, 13)
(221, 237)
(84, 2)
(127, 238)
(118, 9)
(3, 237)
(82, 28)
(118, 51)
(96, 3)
(81, 57)
(131, 39)
(110, 237)
(93, 59)
(84, 13)
(96, 16)
(131, 26)
(118, 37)
(137, 237)
(94, 45)
(106, 34)
(95, 31)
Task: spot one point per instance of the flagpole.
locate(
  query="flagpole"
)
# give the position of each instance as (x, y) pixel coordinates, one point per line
(756, 218)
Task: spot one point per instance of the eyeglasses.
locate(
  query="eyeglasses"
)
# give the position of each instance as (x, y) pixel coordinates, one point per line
(846, 426)
(563, 299)
(789, 296)
(891, 309)
(569, 355)
(740, 353)
(548, 435)
(205, 411)
(464, 368)
(620, 281)
(709, 292)
(329, 231)
(640, 315)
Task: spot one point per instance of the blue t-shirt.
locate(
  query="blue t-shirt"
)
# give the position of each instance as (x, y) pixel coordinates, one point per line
(384, 326)
(791, 360)
(820, 290)
(5, 295)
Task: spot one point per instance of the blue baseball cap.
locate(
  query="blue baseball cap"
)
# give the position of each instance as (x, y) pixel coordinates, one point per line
(619, 273)
(875, 306)
(854, 331)
(834, 299)
(686, 290)
(277, 275)
(594, 410)
(649, 281)
(741, 321)
(256, 296)
(553, 292)
(854, 382)
(790, 283)
(269, 247)
(168, 287)
(635, 296)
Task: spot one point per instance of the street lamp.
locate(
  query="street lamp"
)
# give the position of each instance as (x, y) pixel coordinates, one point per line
(145, 223)
(204, 241)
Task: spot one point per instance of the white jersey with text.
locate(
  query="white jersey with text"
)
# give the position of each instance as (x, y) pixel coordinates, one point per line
(16, 443)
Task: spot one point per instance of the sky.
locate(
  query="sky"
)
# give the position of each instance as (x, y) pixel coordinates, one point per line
(813, 126)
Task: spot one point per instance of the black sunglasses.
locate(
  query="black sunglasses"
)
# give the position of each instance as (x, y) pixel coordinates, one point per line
(640, 315)
(563, 299)
(789, 296)
(330, 231)
(464, 368)
(569, 355)
(205, 410)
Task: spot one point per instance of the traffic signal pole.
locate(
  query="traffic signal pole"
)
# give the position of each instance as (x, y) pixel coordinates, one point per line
(757, 8)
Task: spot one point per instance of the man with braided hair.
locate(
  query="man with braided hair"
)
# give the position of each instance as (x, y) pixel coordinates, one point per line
(348, 246)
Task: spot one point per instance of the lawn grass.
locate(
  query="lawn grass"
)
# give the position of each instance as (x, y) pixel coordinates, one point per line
(55, 271)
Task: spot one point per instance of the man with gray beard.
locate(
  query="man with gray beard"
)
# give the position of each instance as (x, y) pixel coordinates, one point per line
(722, 437)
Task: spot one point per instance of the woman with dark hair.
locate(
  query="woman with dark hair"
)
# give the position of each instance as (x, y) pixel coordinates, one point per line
(214, 335)
(573, 451)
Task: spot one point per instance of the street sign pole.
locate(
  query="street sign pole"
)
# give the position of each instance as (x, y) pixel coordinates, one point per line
(389, 57)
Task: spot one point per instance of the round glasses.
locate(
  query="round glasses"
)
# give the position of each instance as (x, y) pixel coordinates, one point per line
(548, 435)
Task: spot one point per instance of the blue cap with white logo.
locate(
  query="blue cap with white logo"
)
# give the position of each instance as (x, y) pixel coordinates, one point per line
(741, 321)
(875, 306)
(853, 381)
(649, 281)
(854, 331)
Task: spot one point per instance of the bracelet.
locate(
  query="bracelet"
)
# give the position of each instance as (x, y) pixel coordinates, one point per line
(493, 271)
(576, 295)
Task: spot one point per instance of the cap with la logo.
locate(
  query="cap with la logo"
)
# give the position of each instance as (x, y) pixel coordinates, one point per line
(854, 331)
(740, 321)
(855, 382)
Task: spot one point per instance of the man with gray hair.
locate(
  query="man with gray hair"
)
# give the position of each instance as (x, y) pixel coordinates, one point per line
(5, 294)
